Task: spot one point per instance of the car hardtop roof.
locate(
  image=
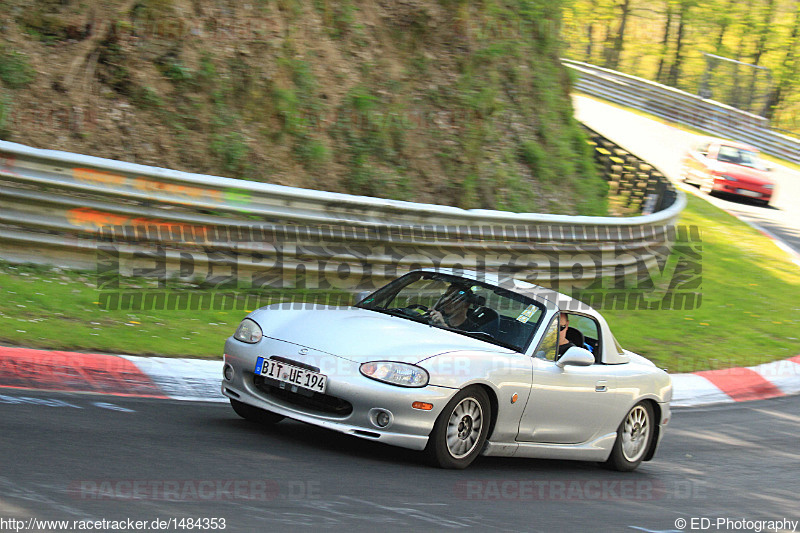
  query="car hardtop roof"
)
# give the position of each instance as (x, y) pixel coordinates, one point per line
(732, 144)
(549, 297)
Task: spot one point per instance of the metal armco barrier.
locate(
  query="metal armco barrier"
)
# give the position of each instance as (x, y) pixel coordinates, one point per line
(84, 212)
(684, 108)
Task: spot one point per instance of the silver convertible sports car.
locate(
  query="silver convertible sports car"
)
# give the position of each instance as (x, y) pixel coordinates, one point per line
(455, 365)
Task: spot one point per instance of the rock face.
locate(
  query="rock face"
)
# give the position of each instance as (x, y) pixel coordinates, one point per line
(441, 102)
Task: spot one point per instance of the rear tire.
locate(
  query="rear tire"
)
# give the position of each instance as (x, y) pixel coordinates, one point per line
(460, 431)
(254, 414)
(634, 436)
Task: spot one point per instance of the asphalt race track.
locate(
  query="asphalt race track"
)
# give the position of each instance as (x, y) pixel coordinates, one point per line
(664, 147)
(70, 456)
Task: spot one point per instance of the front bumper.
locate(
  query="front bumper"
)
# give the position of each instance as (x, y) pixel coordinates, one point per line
(744, 190)
(408, 427)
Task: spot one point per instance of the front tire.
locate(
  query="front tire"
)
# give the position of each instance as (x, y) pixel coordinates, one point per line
(254, 414)
(461, 429)
(634, 436)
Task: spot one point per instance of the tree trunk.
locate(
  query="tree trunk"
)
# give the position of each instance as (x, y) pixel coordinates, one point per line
(677, 63)
(590, 33)
(664, 45)
(761, 46)
(708, 84)
(734, 98)
(619, 40)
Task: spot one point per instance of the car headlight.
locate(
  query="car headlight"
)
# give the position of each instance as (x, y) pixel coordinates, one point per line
(728, 178)
(248, 331)
(401, 374)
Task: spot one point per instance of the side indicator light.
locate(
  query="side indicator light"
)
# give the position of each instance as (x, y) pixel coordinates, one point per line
(422, 406)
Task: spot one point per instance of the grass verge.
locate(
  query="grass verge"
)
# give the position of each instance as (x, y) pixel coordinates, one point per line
(750, 312)
(58, 309)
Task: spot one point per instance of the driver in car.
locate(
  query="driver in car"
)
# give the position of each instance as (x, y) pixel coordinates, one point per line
(451, 309)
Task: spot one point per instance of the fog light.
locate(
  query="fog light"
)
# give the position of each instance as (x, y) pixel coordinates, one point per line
(227, 372)
(381, 418)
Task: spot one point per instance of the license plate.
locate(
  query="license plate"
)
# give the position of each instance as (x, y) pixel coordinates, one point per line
(745, 192)
(293, 375)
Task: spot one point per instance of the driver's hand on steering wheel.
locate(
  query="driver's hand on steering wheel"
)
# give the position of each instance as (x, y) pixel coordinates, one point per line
(436, 318)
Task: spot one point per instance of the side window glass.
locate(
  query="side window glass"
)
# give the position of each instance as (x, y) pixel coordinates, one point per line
(547, 348)
(590, 330)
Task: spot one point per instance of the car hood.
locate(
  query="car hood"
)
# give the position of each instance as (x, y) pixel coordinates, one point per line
(746, 174)
(361, 335)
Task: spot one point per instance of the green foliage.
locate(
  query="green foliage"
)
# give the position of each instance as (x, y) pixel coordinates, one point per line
(299, 109)
(231, 150)
(177, 72)
(5, 117)
(311, 152)
(146, 98)
(338, 17)
(15, 71)
(374, 132)
(666, 43)
(43, 21)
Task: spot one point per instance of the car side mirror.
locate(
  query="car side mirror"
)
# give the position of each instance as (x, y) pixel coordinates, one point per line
(361, 295)
(577, 357)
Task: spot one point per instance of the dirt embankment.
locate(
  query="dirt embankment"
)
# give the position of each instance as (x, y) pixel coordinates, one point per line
(442, 102)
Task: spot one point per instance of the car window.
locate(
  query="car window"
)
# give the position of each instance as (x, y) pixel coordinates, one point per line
(590, 330)
(496, 315)
(750, 159)
(547, 348)
(729, 154)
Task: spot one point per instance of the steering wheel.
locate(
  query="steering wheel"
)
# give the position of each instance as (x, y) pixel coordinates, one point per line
(421, 309)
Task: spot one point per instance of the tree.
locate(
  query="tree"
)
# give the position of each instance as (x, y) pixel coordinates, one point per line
(664, 44)
(764, 32)
(613, 55)
(788, 71)
(677, 63)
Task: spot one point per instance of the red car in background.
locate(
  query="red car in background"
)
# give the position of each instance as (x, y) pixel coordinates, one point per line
(720, 166)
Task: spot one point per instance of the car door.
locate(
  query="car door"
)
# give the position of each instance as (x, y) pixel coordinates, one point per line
(566, 405)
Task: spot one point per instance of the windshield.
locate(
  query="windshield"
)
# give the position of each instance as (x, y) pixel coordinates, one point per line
(464, 306)
(737, 156)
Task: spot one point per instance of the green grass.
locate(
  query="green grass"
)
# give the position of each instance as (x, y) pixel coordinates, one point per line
(52, 308)
(15, 69)
(750, 312)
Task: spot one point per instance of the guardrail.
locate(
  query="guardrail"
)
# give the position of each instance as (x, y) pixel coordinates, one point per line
(684, 108)
(120, 218)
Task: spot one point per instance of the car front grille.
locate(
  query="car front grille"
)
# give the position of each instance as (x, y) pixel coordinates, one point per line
(304, 398)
